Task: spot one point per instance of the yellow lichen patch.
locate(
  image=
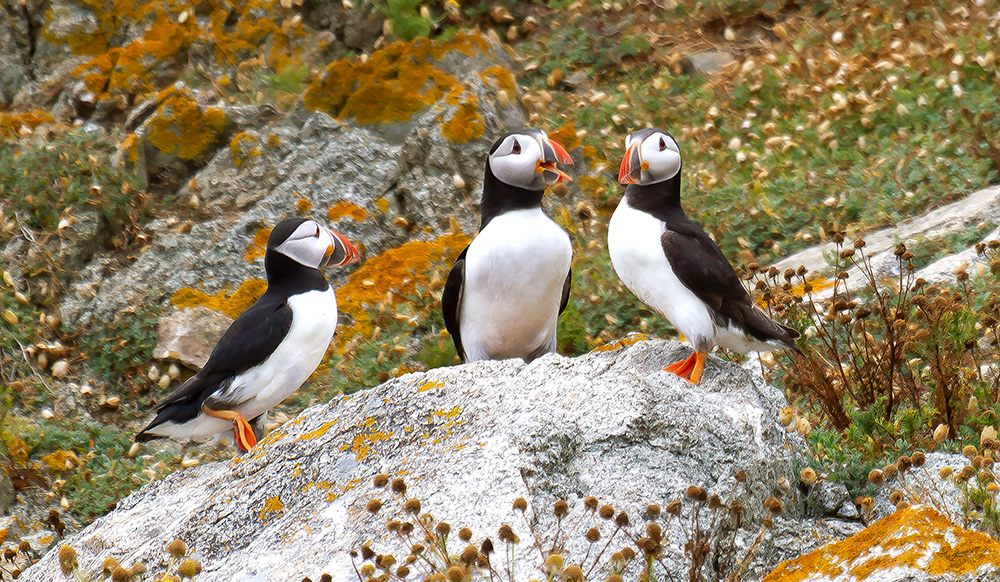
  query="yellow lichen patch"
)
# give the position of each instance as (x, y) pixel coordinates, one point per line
(14, 126)
(231, 305)
(429, 386)
(500, 78)
(272, 437)
(465, 124)
(258, 246)
(303, 205)
(897, 544)
(129, 147)
(344, 209)
(181, 128)
(314, 434)
(391, 276)
(360, 445)
(566, 137)
(61, 460)
(622, 343)
(396, 82)
(243, 147)
(382, 204)
(272, 506)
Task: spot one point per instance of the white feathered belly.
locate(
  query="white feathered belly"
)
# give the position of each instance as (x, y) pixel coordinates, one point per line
(515, 270)
(314, 320)
(637, 256)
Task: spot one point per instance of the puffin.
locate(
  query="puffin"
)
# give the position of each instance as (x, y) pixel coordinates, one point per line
(505, 292)
(270, 349)
(673, 266)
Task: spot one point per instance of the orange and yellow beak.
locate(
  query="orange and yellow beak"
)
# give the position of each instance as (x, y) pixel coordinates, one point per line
(351, 254)
(553, 152)
(632, 166)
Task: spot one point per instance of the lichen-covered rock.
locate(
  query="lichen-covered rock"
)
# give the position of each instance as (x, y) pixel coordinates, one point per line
(469, 440)
(916, 544)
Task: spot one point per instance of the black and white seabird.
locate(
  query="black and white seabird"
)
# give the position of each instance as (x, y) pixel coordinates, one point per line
(508, 287)
(674, 267)
(271, 348)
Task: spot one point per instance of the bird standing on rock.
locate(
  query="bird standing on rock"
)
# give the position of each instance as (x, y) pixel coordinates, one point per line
(508, 287)
(271, 348)
(674, 267)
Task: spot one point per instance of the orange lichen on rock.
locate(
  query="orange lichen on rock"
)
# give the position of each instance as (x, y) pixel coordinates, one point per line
(258, 246)
(360, 445)
(12, 126)
(344, 209)
(272, 506)
(395, 83)
(231, 305)
(500, 78)
(566, 137)
(911, 540)
(465, 124)
(243, 147)
(303, 205)
(624, 342)
(391, 276)
(182, 128)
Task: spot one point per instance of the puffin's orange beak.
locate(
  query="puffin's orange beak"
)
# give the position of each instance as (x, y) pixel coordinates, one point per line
(631, 168)
(351, 254)
(553, 152)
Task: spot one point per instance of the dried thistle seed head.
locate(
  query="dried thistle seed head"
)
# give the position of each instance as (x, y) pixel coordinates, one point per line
(443, 528)
(381, 480)
(590, 503)
(902, 505)
(402, 572)
(613, 578)
(469, 554)
(456, 574)
(987, 463)
(647, 546)
(465, 534)
(867, 503)
(554, 565)
(674, 507)
(786, 416)
(773, 505)
(967, 472)
(176, 549)
(67, 560)
(520, 504)
(188, 569)
(697, 493)
(737, 508)
(109, 566)
(486, 547)
(573, 573)
(629, 553)
(940, 433)
(993, 487)
(621, 520)
(137, 569)
(904, 463)
(417, 549)
(367, 553)
(398, 486)
(560, 508)
(714, 502)
(367, 570)
(652, 511)
(984, 477)
(506, 534)
(876, 477)
(617, 560)
(945, 472)
(412, 506)
(122, 575)
(976, 462)
(392, 525)
(890, 470)
(970, 452)
(406, 528)
(859, 243)
(807, 476)
(654, 531)
(593, 535)
(606, 512)
(373, 506)
(741, 476)
(895, 497)
(918, 459)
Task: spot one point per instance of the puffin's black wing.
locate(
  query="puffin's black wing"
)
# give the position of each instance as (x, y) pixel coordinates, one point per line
(451, 301)
(703, 268)
(254, 335)
(565, 291)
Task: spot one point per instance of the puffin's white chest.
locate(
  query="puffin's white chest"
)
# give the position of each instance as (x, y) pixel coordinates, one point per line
(314, 320)
(514, 275)
(634, 243)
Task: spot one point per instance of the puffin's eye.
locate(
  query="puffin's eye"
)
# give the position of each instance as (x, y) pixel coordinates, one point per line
(517, 148)
(663, 144)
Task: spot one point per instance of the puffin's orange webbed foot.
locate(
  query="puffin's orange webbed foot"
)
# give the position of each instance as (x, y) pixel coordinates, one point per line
(242, 433)
(690, 369)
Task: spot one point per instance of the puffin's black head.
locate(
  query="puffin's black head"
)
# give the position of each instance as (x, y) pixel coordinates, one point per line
(308, 243)
(527, 159)
(651, 156)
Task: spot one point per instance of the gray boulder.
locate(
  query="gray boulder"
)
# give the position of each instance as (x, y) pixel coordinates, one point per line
(469, 440)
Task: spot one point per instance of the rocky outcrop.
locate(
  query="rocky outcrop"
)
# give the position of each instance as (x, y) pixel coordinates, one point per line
(469, 440)
(916, 544)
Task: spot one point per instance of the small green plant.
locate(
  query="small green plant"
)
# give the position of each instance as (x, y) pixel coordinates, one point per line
(407, 21)
(120, 350)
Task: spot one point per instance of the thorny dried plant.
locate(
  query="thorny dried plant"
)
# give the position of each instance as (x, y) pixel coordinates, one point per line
(180, 566)
(708, 528)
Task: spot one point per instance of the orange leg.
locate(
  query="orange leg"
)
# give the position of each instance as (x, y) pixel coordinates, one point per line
(690, 369)
(683, 367)
(242, 432)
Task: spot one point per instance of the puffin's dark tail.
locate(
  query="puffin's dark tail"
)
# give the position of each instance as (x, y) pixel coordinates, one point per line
(765, 329)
